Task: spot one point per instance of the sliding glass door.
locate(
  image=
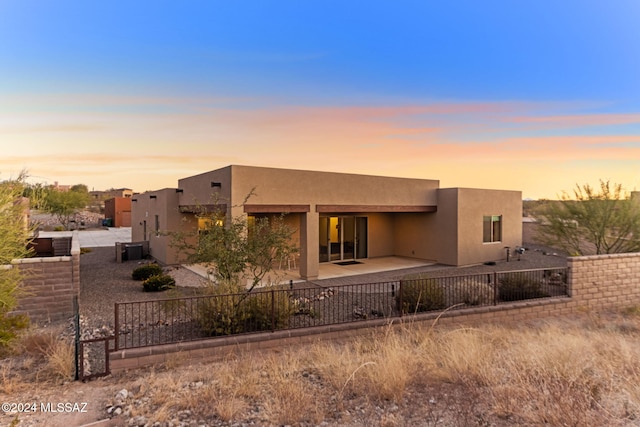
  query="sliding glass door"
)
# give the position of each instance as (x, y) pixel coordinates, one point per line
(343, 238)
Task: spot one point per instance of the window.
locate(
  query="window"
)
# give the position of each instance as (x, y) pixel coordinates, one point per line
(492, 228)
(157, 225)
(205, 224)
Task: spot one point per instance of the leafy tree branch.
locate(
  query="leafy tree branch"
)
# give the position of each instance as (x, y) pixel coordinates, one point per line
(600, 220)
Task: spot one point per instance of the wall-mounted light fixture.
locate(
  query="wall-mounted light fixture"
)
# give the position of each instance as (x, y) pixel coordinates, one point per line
(153, 196)
(216, 184)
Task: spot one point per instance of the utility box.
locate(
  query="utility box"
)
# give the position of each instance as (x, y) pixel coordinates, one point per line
(133, 252)
(139, 250)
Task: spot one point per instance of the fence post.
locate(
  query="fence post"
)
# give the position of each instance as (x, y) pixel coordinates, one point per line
(400, 304)
(107, 370)
(495, 288)
(273, 310)
(117, 327)
(76, 324)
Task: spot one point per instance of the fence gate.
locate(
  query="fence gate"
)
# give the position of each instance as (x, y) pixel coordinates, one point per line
(93, 357)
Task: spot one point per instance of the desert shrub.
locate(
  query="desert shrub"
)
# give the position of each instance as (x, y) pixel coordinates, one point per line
(468, 290)
(221, 315)
(146, 271)
(158, 282)
(519, 286)
(10, 325)
(270, 310)
(232, 313)
(417, 295)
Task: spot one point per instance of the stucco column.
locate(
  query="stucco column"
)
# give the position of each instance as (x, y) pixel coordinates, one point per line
(309, 247)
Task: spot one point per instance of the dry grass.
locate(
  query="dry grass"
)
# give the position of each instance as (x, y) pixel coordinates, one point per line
(583, 371)
(43, 356)
(289, 397)
(558, 373)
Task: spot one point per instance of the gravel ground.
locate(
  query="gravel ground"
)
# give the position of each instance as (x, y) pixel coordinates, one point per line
(103, 282)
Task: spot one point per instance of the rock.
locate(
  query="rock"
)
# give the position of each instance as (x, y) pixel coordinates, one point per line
(138, 421)
(359, 313)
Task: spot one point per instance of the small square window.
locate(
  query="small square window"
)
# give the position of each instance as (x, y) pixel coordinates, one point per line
(492, 228)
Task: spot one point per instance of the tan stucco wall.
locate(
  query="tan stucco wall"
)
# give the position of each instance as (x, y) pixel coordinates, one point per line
(285, 186)
(381, 239)
(298, 187)
(452, 235)
(197, 189)
(165, 205)
(468, 206)
(413, 237)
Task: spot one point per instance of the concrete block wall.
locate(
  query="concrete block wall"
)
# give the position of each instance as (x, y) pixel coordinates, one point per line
(605, 281)
(50, 283)
(597, 282)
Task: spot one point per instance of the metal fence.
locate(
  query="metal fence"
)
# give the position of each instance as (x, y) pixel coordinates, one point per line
(146, 323)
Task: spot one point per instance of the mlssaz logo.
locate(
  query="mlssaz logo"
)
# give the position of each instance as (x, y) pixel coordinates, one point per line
(63, 407)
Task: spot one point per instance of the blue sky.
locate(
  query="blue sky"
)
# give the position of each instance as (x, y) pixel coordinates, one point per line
(535, 96)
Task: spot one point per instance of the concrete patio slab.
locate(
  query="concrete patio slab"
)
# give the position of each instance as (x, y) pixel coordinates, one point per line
(332, 270)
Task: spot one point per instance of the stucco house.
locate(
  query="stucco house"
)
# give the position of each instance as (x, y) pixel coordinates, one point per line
(340, 216)
(118, 209)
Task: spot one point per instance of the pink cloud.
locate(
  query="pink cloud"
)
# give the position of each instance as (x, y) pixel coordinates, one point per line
(431, 141)
(581, 120)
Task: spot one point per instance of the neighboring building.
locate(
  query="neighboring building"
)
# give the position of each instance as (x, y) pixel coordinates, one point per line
(341, 216)
(109, 194)
(59, 187)
(98, 198)
(118, 210)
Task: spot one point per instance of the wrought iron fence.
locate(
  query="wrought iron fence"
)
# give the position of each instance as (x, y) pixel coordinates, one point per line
(93, 358)
(145, 323)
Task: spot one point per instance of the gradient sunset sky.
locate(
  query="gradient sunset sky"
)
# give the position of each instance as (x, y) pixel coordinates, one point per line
(534, 96)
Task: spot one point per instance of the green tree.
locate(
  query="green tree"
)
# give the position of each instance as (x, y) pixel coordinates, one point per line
(36, 193)
(65, 204)
(238, 248)
(600, 220)
(14, 236)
